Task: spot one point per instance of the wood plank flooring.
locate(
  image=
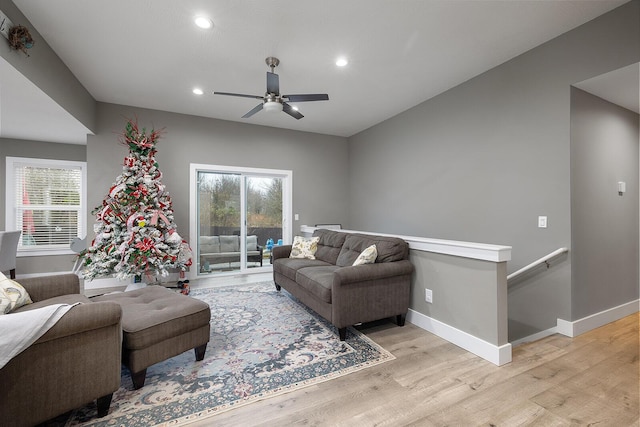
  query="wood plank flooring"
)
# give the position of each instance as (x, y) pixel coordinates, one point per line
(557, 381)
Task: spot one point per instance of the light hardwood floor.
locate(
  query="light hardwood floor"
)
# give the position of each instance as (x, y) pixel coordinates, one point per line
(592, 379)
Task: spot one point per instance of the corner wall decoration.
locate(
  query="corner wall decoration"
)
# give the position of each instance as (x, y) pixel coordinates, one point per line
(20, 39)
(18, 35)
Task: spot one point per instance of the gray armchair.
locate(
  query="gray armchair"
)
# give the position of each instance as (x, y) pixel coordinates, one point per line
(76, 361)
(8, 249)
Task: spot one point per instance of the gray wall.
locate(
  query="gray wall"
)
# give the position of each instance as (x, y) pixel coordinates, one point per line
(41, 150)
(482, 312)
(604, 225)
(319, 162)
(481, 161)
(47, 71)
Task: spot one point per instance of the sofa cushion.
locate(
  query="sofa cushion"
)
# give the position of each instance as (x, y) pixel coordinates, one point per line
(229, 243)
(368, 256)
(317, 280)
(304, 247)
(252, 243)
(209, 244)
(12, 295)
(389, 248)
(289, 266)
(329, 245)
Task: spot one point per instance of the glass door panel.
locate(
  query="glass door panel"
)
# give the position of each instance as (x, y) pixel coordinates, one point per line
(264, 198)
(219, 222)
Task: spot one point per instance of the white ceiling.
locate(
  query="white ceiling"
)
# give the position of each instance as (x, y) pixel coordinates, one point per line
(148, 53)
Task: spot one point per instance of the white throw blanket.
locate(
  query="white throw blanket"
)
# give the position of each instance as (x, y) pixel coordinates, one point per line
(19, 330)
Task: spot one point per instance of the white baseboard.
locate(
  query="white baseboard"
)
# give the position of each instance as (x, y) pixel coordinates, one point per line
(586, 324)
(498, 355)
(578, 327)
(106, 282)
(29, 276)
(112, 282)
(535, 337)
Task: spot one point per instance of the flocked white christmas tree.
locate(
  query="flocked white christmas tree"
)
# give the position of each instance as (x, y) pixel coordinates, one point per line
(135, 230)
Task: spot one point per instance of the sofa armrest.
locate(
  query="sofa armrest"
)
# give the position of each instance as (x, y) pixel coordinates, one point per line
(280, 252)
(84, 318)
(74, 362)
(365, 272)
(45, 287)
(369, 292)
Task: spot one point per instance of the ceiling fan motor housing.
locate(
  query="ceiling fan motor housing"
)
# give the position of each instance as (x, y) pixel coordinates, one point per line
(272, 101)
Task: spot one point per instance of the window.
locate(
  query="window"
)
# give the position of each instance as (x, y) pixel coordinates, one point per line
(46, 200)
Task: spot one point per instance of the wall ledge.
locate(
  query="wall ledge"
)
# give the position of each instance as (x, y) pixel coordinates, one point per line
(480, 251)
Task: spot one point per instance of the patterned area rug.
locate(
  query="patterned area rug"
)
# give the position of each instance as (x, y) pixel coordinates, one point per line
(263, 343)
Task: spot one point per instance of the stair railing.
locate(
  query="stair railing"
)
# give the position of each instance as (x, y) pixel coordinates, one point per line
(544, 260)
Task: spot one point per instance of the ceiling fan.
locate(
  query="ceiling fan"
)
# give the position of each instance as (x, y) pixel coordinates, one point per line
(272, 100)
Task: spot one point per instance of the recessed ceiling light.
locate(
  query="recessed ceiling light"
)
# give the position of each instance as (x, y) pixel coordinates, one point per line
(341, 62)
(203, 22)
(198, 91)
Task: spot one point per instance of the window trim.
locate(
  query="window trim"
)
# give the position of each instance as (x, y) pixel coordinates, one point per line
(10, 197)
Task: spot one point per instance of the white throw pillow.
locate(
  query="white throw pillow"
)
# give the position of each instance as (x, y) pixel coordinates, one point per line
(368, 256)
(304, 247)
(12, 295)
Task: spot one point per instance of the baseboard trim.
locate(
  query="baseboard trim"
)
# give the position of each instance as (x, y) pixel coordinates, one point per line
(586, 324)
(498, 355)
(31, 275)
(535, 337)
(106, 282)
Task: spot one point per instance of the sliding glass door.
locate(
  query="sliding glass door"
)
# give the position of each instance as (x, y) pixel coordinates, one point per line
(240, 213)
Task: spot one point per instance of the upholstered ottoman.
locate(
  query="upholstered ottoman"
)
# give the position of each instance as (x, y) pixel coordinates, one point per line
(157, 324)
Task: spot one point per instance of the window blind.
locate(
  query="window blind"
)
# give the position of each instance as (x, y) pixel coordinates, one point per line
(48, 205)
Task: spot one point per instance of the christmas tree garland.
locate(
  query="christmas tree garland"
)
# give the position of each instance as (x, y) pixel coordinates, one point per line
(135, 230)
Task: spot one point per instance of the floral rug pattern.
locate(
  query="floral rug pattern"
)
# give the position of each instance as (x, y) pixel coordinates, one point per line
(263, 343)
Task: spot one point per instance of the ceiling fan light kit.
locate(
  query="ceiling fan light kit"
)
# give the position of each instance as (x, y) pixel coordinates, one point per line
(272, 101)
(272, 107)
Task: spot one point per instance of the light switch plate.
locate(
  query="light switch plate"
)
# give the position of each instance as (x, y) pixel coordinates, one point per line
(542, 222)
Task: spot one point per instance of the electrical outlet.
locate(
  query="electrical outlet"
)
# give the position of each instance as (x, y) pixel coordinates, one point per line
(428, 295)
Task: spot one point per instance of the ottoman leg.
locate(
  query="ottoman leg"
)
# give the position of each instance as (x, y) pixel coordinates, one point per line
(138, 378)
(200, 350)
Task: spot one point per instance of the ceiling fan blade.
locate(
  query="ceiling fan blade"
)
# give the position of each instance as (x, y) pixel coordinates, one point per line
(290, 111)
(253, 111)
(307, 97)
(273, 83)
(238, 94)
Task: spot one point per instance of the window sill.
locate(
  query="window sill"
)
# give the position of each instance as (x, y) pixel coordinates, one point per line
(44, 252)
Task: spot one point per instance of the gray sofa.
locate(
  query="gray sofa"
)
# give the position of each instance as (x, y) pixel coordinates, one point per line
(226, 249)
(73, 363)
(340, 292)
